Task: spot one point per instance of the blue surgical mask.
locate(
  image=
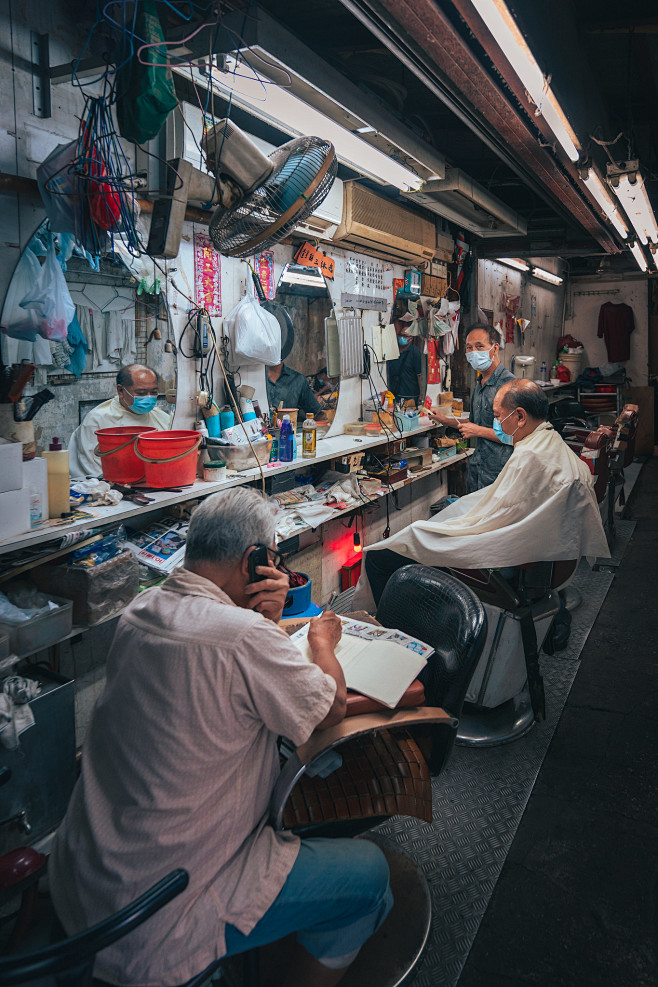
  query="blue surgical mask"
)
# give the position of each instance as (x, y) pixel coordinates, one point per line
(479, 360)
(142, 404)
(403, 340)
(507, 440)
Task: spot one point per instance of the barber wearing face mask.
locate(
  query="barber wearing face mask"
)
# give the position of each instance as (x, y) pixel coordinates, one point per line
(405, 374)
(133, 404)
(493, 447)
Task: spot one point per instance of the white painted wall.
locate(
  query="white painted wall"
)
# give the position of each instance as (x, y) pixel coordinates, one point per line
(582, 320)
(545, 327)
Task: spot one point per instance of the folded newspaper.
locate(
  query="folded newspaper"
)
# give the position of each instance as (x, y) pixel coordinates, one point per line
(379, 662)
(160, 545)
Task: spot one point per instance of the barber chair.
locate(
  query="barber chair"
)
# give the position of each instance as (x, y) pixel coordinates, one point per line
(505, 694)
(569, 413)
(622, 453)
(388, 758)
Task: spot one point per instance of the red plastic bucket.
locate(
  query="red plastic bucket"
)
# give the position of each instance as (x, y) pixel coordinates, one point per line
(116, 448)
(169, 458)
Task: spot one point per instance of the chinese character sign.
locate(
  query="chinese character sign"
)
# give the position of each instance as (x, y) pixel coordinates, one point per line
(310, 256)
(207, 275)
(264, 267)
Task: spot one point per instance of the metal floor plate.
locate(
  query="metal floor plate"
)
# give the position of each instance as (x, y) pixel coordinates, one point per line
(623, 533)
(478, 804)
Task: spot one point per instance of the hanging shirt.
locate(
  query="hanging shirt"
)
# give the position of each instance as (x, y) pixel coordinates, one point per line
(616, 323)
(489, 457)
(178, 769)
(542, 508)
(83, 461)
(403, 374)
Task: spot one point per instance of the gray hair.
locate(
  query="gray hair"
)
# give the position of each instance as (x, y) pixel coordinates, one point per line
(528, 395)
(225, 524)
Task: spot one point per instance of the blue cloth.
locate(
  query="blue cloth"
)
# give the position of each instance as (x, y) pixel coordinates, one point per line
(77, 341)
(336, 895)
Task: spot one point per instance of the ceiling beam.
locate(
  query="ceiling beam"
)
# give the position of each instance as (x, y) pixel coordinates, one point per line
(420, 32)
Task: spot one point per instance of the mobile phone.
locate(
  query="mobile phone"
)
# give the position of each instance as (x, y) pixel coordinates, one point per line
(257, 556)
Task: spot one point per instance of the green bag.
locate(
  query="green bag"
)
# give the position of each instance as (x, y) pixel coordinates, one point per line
(145, 92)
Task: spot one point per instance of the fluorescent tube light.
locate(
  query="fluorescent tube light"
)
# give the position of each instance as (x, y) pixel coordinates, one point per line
(293, 274)
(539, 272)
(276, 105)
(515, 262)
(601, 193)
(502, 25)
(629, 188)
(365, 130)
(638, 253)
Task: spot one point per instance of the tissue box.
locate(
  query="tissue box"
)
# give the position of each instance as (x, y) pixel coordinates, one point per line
(235, 434)
(14, 513)
(11, 466)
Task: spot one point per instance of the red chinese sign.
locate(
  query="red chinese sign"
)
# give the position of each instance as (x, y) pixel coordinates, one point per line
(207, 275)
(264, 267)
(398, 285)
(310, 256)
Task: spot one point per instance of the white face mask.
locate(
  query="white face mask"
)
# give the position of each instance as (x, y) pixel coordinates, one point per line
(479, 359)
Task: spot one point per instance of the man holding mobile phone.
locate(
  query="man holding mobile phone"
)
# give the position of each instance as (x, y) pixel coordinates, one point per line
(201, 682)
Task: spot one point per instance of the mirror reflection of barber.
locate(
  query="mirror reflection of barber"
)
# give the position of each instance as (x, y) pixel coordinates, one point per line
(405, 378)
(134, 404)
(491, 451)
(292, 388)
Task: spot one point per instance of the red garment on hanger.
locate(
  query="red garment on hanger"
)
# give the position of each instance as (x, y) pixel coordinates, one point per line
(616, 323)
(433, 365)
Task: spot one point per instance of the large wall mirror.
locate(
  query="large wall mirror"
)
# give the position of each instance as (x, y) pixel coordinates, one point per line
(120, 319)
(307, 303)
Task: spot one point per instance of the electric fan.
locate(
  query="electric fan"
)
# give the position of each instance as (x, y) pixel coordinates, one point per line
(259, 198)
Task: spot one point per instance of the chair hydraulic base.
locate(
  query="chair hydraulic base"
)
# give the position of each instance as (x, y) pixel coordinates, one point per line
(511, 720)
(389, 958)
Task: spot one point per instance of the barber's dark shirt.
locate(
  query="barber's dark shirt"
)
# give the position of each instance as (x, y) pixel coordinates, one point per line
(293, 389)
(489, 457)
(403, 373)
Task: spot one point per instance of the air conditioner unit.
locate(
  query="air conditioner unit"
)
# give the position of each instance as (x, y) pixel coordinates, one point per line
(323, 223)
(383, 228)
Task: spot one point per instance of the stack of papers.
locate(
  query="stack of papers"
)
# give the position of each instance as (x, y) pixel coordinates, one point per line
(378, 662)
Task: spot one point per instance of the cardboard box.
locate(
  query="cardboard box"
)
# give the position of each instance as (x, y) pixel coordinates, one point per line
(11, 466)
(14, 513)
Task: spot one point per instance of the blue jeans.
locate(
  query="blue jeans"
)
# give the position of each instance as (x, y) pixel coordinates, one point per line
(336, 895)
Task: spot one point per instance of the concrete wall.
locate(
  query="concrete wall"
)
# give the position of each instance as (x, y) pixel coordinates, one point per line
(541, 303)
(582, 319)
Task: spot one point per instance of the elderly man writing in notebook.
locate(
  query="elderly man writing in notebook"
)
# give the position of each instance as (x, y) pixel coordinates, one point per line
(180, 762)
(541, 507)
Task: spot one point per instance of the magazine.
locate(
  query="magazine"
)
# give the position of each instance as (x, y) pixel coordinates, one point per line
(379, 662)
(160, 545)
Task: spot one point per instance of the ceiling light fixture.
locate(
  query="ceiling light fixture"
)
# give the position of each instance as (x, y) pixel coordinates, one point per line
(296, 274)
(277, 106)
(628, 185)
(503, 27)
(539, 272)
(601, 192)
(638, 253)
(516, 262)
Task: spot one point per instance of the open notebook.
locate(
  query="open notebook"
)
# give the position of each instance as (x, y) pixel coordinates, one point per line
(376, 661)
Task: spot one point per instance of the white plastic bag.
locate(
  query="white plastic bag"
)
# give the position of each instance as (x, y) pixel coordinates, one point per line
(254, 334)
(51, 300)
(17, 322)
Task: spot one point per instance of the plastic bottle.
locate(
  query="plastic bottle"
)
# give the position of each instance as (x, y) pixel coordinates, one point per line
(309, 437)
(543, 373)
(36, 507)
(286, 454)
(59, 481)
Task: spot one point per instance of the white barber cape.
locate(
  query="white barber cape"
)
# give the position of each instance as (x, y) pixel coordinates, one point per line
(541, 507)
(82, 459)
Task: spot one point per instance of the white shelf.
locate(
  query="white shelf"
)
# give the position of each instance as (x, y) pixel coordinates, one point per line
(329, 448)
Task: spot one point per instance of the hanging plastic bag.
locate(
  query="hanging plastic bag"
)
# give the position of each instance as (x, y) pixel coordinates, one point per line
(50, 299)
(254, 334)
(17, 322)
(145, 86)
(58, 185)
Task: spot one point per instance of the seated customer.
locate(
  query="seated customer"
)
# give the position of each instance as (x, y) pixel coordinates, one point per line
(541, 507)
(179, 765)
(291, 387)
(133, 404)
